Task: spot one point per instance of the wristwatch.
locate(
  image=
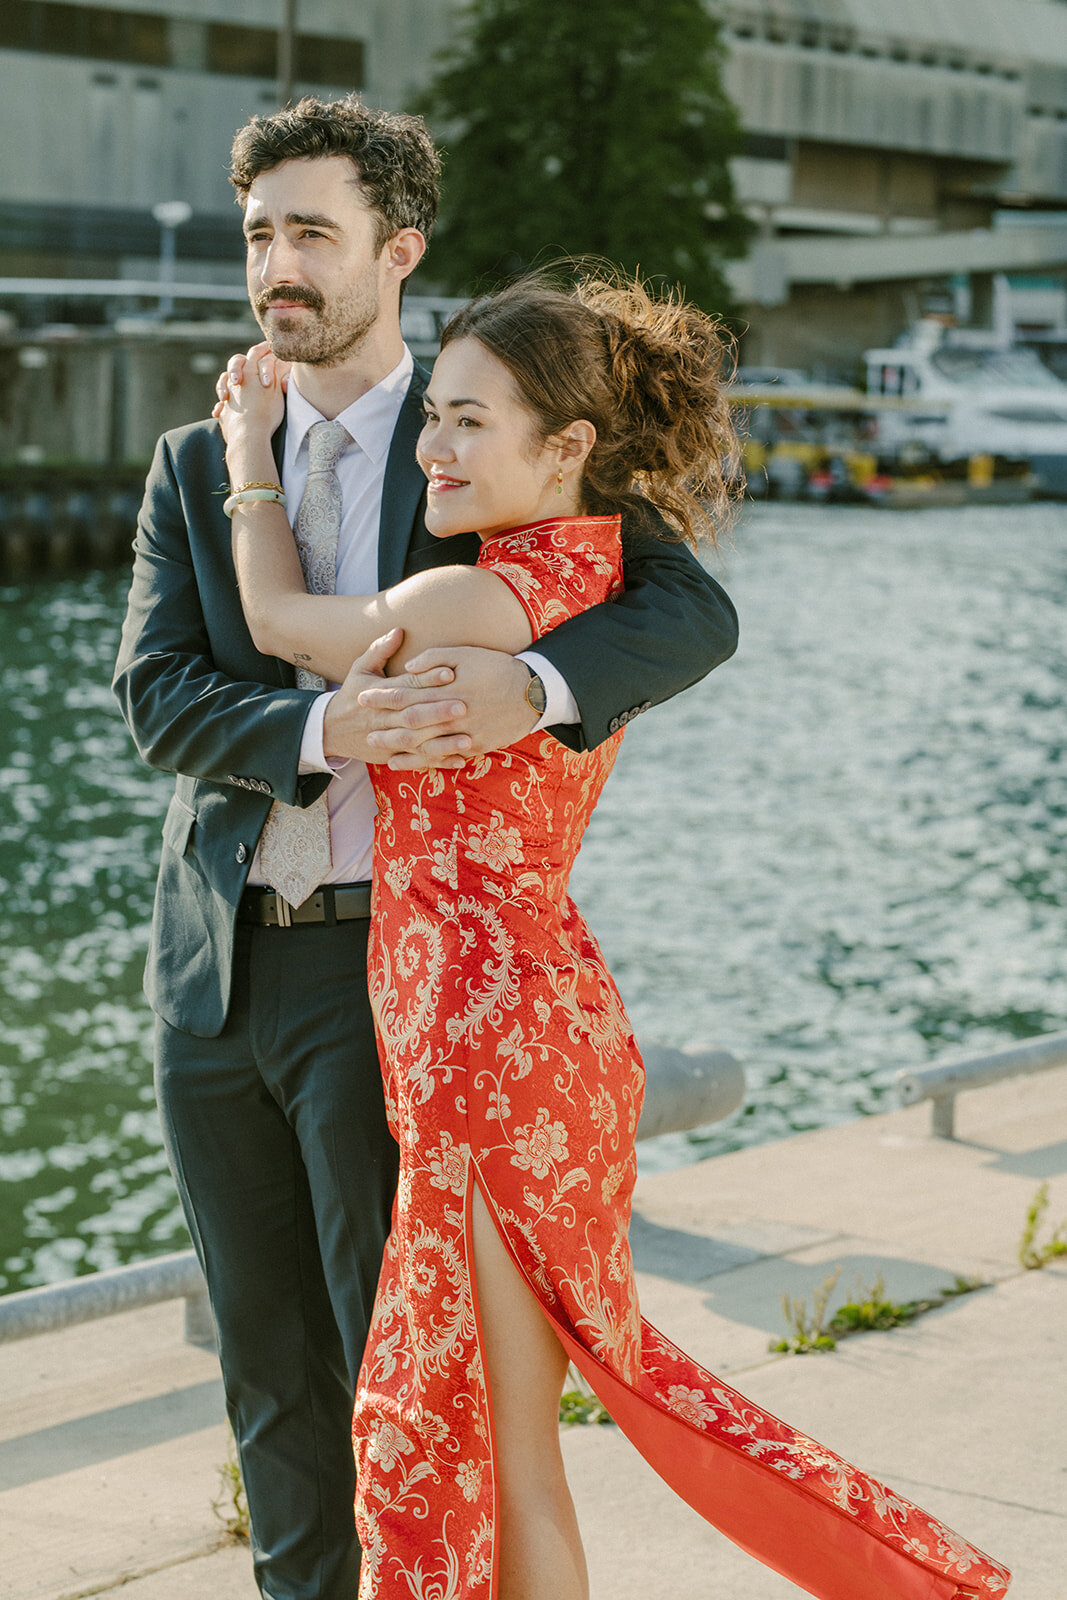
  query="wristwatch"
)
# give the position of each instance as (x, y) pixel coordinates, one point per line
(536, 698)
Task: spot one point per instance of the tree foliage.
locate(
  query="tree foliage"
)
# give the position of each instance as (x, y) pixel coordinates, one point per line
(586, 127)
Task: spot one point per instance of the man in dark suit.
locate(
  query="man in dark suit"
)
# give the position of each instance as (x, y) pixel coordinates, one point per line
(267, 1069)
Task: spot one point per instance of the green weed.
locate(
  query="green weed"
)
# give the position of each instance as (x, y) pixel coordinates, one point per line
(808, 1333)
(230, 1505)
(1031, 1255)
(578, 1404)
(871, 1310)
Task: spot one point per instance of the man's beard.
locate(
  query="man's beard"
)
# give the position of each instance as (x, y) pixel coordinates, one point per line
(326, 341)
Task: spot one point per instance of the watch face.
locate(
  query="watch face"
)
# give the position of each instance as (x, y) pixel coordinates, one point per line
(536, 698)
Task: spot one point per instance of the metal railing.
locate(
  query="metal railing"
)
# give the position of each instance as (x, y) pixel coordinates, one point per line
(104, 1294)
(685, 1089)
(941, 1084)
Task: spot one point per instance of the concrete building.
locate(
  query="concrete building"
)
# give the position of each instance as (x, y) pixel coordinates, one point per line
(900, 158)
(888, 146)
(106, 110)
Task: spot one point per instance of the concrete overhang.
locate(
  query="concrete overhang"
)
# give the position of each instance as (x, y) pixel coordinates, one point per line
(764, 277)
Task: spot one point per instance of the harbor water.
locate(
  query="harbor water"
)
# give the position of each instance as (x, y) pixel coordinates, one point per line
(841, 854)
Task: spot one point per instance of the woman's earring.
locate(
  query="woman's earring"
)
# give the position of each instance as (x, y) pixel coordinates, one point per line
(559, 481)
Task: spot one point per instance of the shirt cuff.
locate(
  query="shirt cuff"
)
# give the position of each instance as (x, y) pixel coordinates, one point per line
(560, 704)
(313, 757)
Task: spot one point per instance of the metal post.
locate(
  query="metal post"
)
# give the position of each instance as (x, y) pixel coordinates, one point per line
(943, 1122)
(286, 52)
(168, 255)
(170, 214)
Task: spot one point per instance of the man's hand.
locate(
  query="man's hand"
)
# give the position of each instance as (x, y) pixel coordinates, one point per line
(372, 718)
(489, 684)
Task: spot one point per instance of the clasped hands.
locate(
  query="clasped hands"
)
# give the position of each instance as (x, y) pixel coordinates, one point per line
(447, 706)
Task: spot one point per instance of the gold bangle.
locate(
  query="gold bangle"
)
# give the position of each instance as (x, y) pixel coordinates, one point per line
(240, 488)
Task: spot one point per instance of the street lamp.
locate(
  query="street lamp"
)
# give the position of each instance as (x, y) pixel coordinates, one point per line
(170, 214)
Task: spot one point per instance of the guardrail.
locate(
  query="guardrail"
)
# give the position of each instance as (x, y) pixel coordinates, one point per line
(685, 1089)
(942, 1084)
(103, 1294)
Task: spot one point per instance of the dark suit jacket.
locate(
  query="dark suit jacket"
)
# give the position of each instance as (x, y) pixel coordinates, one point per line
(203, 703)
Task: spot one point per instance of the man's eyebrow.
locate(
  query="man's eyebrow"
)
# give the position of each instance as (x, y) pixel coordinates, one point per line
(295, 219)
(428, 400)
(311, 219)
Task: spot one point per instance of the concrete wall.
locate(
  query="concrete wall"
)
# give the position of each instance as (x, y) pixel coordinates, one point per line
(827, 329)
(105, 399)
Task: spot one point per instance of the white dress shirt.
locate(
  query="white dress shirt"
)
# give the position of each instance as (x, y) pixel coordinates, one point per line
(371, 421)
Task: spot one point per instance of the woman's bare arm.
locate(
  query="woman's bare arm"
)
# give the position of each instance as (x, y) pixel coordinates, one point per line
(327, 633)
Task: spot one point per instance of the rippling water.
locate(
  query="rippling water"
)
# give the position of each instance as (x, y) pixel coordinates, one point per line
(842, 854)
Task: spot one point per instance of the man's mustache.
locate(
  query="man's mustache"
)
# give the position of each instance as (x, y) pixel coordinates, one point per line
(294, 292)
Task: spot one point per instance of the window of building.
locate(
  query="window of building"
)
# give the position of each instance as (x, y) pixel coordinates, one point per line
(70, 30)
(144, 39)
(243, 52)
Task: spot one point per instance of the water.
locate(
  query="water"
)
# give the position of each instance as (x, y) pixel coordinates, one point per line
(842, 854)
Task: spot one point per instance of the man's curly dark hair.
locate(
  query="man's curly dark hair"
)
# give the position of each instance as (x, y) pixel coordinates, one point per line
(395, 161)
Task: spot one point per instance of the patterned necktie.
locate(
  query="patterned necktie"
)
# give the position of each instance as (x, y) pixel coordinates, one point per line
(294, 847)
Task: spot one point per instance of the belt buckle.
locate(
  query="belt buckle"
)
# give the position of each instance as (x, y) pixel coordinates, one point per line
(283, 910)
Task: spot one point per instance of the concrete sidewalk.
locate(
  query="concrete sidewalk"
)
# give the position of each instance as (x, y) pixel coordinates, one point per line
(111, 1443)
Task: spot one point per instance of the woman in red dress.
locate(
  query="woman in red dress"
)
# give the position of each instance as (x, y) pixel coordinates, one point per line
(512, 1079)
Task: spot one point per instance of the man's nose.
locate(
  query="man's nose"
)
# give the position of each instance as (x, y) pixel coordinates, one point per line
(279, 264)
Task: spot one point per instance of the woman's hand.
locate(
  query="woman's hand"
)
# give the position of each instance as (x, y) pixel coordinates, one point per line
(251, 394)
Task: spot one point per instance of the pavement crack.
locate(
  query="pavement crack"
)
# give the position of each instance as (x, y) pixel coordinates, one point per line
(971, 1494)
(119, 1580)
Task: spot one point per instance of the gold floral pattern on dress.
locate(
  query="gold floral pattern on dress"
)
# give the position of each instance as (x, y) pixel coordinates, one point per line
(508, 1061)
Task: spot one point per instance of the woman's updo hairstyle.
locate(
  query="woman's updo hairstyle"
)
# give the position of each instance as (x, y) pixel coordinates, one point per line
(648, 373)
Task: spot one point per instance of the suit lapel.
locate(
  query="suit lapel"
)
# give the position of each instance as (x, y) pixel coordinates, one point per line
(403, 487)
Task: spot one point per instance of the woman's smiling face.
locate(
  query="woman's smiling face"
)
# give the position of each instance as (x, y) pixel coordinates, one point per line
(487, 468)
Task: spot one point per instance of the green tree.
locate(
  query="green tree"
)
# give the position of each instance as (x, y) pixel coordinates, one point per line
(586, 127)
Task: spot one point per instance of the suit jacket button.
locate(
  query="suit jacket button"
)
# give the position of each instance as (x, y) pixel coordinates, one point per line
(613, 725)
(241, 854)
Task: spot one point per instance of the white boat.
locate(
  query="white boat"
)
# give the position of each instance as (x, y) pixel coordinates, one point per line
(960, 394)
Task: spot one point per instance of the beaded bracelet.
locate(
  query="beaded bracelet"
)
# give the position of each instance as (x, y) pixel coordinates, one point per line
(241, 496)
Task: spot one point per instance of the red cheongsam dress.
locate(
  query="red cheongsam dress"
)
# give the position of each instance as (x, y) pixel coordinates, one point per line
(509, 1062)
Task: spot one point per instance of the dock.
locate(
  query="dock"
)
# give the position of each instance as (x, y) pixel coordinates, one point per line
(112, 1439)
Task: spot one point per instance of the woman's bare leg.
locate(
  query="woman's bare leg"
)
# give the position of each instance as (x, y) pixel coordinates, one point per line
(541, 1551)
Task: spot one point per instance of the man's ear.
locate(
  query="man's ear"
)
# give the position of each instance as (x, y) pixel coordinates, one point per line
(403, 252)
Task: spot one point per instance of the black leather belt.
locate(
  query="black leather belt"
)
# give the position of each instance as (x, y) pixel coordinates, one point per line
(334, 902)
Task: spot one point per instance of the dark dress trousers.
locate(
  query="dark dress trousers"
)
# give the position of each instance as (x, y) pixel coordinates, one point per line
(267, 1070)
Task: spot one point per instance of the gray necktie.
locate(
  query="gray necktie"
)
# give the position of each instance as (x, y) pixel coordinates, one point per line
(294, 847)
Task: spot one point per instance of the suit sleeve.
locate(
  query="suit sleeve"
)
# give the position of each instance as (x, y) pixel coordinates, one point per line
(186, 714)
(671, 625)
